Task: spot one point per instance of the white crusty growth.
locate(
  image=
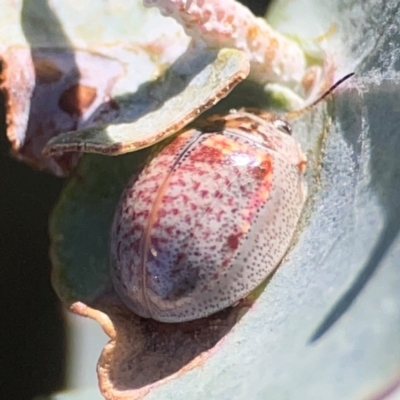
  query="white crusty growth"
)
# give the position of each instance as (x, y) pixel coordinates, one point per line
(227, 23)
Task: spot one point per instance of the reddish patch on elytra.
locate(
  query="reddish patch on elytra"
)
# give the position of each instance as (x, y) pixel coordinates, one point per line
(203, 193)
(162, 212)
(233, 241)
(219, 215)
(77, 99)
(196, 185)
(226, 263)
(142, 214)
(168, 199)
(180, 182)
(260, 171)
(207, 155)
(185, 198)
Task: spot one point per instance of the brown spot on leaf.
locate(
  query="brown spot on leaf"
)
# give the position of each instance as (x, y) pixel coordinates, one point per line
(46, 71)
(77, 99)
(34, 82)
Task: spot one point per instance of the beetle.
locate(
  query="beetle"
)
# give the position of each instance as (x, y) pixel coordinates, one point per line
(209, 218)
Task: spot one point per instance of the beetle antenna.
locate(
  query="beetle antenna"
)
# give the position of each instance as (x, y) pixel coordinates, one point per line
(297, 113)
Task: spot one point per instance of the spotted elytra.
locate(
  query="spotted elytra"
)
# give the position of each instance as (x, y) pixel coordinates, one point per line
(209, 217)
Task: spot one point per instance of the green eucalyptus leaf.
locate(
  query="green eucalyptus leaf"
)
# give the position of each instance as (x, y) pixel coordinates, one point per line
(80, 223)
(194, 83)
